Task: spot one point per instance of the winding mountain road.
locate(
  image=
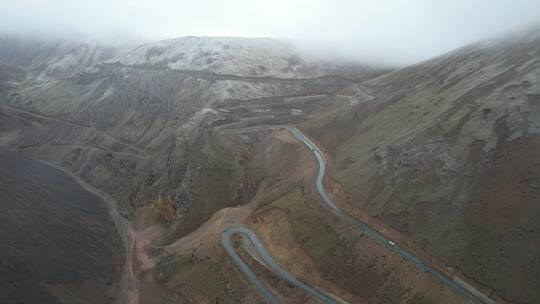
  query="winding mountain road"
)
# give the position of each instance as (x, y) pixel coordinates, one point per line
(256, 244)
(467, 292)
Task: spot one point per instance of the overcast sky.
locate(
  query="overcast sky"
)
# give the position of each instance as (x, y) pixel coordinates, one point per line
(392, 31)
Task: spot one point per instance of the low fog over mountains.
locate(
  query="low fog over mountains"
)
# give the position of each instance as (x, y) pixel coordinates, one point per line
(396, 32)
(190, 170)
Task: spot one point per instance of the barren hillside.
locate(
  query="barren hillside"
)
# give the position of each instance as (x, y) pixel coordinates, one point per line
(143, 132)
(446, 152)
(187, 136)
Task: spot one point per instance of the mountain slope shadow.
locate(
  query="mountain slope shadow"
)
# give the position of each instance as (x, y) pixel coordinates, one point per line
(59, 243)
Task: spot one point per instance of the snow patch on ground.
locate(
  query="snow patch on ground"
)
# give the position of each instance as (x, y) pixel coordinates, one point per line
(224, 55)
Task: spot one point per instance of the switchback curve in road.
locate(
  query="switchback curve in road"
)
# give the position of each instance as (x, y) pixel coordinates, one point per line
(466, 291)
(272, 264)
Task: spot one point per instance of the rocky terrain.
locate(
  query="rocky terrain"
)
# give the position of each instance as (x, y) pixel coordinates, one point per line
(445, 152)
(144, 133)
(439, 156)
(258, 57)
(127, 128)
(47, 59)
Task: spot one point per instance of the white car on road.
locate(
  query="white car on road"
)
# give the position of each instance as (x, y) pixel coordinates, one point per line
(392, 243)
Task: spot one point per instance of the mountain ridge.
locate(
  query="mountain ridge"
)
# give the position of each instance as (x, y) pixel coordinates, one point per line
(422, 154)
(438, 153)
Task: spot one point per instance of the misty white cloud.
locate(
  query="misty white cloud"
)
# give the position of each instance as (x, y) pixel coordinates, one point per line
(396, 31)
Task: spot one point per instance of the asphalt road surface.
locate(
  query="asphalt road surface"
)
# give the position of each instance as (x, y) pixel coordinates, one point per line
(468, 292)
(250, 236)
(474, 296)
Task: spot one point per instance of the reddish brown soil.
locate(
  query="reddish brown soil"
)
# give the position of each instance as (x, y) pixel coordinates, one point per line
(147, 229)
(289, 165)
(274, 227)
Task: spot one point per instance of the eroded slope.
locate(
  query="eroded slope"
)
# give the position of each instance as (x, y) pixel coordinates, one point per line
(439, 154)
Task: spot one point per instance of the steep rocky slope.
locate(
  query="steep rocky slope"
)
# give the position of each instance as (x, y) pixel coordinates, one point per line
(148, 134)
(446, 152)
(132, 131)
(237, 56)
(46, 59)
(442, 151)
(10, 73)
(302, 235)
